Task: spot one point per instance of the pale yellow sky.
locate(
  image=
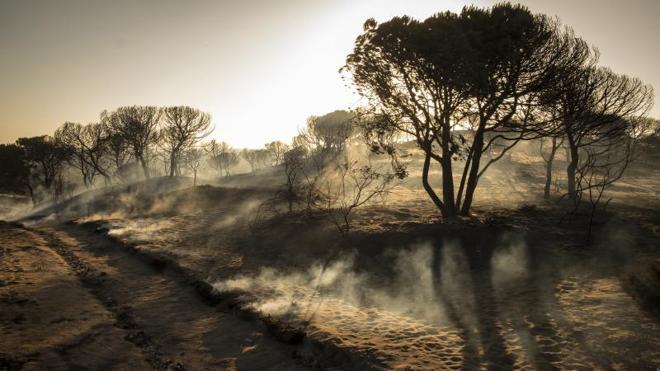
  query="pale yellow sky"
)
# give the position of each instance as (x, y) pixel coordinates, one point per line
(260, 67)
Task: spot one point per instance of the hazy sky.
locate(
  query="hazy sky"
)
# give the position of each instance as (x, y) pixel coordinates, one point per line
(259, 67)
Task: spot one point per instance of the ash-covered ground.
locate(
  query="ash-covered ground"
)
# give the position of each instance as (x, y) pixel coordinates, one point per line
(513, 287)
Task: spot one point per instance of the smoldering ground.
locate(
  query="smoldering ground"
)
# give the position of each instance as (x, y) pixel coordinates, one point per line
(423, 280)
(508, 287)
(502, 297)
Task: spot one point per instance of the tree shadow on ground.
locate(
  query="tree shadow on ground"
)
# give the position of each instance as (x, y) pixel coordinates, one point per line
(477, 301)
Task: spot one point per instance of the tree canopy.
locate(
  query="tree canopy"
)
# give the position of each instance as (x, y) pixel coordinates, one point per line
(482, 70)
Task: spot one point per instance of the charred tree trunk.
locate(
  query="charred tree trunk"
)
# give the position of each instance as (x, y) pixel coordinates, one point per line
(448, 186)
(461, 187)
(473, 176)
(548, 178)
(172, 163)
(447, 173)
(33, 197)
(548, 168)
(571, 170)
(427, 186)
(145, 167)
(592, 214)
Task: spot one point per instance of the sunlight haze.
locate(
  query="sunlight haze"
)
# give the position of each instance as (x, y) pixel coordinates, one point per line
(259, 67)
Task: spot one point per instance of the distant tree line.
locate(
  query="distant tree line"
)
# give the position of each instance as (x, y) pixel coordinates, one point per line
(127, 144)
(110, 148)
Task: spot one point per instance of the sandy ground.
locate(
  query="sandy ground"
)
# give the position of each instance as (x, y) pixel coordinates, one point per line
(534, 302)
(74, 301)
(48, 319)
(510, 288)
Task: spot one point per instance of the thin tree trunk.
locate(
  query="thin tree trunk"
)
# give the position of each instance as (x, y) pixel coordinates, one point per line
(572, 154)
(548, 169)
(570, 171)
(447, 172)
(466, 168)
(145, 168)
(548, 179)
(473, 177)
(31, 192)
(172, 163)
(591, 223)
(427, 186)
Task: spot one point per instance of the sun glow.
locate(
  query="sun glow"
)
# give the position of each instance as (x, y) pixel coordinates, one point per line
(260, 68)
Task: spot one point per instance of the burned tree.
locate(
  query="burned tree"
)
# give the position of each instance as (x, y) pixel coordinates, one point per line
(324, 139)
(89, 149)
(192, 159)
(597, 107)
(15, 171)
(277, 150)
(330, 132)
(349, 186)
(46, 157)
(548, 158)
(182, 128)
(256, 158)
(602, 164)
(482, 69)
(221, 156)
(293, 162)
(117, 147)
(250, 155)
(70, 135)
(137, 126)
(228, 160)
(94, 136)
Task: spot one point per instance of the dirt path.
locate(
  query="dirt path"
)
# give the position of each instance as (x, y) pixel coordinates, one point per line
(47, 318)
(71, 299)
